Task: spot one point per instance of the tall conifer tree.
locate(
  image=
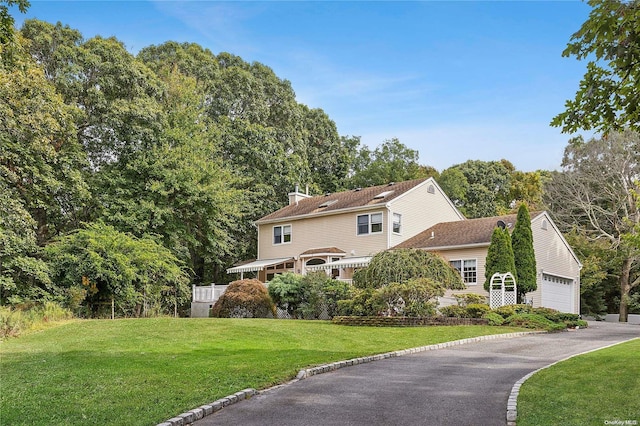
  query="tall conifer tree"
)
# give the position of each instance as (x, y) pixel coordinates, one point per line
(524, 255)
(499, 256)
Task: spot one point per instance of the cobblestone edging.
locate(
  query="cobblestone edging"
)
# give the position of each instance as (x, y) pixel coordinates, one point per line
(187, 418)
(512, 403)
(407, 321)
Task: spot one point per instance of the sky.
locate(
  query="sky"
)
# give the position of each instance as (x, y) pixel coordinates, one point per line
(454, 80)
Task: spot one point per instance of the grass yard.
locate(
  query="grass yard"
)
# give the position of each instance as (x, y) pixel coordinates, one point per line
(142, 372)
(598, 388)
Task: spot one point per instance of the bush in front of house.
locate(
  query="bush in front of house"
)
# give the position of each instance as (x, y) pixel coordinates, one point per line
(494, 319)
(534, 321)
(244, 299)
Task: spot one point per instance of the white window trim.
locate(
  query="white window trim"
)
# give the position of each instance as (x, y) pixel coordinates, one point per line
(273, 234)
(393, 221)
(369, 224)
(461, 260)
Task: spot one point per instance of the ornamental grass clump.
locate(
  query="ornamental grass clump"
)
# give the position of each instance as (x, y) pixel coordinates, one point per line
(244, 299)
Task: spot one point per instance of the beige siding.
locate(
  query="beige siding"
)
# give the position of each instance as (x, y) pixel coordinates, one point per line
(553, 256)
(420, 210)
(478, 253)
(338, 230)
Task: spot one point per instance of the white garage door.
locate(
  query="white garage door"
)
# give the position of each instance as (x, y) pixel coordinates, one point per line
(557, 293)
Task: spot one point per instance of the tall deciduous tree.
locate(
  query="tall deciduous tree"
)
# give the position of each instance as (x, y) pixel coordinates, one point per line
(499, 256)
(609, 93)
(6, 21)
(523, 253)
(594, 195)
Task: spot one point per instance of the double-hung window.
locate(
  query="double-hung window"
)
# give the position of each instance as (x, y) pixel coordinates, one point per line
(397, 223)
(468, 270)
(369, 223)
(282, 234)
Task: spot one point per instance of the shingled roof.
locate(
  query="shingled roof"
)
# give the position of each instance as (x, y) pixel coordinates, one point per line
(360, 197)
(461, 233)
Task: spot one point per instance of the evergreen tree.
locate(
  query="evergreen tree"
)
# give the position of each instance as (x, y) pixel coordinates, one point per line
(524, 256)
(499, 256)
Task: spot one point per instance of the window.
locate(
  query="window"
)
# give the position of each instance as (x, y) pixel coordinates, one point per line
(397, 223)
(369, 223)
(467, 269)
(282, 234)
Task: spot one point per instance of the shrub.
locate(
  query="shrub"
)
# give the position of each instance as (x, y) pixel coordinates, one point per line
(412, 299)
(509, 310)
(533, 321)
(470, 298)
(287, 292)
(244, 299)
(494, 319)
(363, 303)
(453, 311)
(477, 310)
(402, 265)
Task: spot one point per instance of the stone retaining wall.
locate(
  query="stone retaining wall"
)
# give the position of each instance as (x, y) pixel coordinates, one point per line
(407, 321)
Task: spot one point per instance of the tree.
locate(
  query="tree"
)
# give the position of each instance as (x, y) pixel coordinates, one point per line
(392, 161)
(593, 194)
(499, 256)
(102, 264)
(288, 292)
(244, 299)
(608, 96)
(479, 188)
(6, 21)
(523, 253)
(402, 265)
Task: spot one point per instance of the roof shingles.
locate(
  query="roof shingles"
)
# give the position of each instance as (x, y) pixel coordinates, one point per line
(343, 200)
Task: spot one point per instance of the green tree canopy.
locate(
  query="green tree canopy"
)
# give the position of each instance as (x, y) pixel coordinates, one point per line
(593, 194)
(103, 264)
(402, 265)
(608, 96)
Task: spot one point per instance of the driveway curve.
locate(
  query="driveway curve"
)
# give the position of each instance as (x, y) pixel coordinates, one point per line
(461, 385)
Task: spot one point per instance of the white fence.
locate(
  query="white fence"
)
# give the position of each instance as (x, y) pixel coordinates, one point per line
(203, 298)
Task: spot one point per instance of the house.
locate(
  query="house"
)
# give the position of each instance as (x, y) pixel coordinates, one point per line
(342, 231)
(465, 243)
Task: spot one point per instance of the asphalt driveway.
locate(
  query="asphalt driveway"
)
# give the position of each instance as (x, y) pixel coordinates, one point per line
(462, 385)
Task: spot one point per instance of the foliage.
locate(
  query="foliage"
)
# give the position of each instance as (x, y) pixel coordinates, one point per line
(473, 310)
(16, 321)
(6, 21)
(363, 302)
(244, 299)
(402, 265)
(392, 161)
(593, 195)
(414, 298)
(102, 264)
(322, 295)
(466, 299)
(526, 272)
(534, 321)
(607, 99)
(288, 293)
(494, 318)
(499, 256)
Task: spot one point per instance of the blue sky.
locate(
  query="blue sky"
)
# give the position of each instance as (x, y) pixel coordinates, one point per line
(455, 80)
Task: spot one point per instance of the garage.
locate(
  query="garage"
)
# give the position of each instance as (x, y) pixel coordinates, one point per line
(557, 292)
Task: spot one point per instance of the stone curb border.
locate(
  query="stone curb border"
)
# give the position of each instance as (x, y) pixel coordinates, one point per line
(187, 418)
(512, 403)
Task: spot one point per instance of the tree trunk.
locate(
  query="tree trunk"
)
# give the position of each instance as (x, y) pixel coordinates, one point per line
(625, 288)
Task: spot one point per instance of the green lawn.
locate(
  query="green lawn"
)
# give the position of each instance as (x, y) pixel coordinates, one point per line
(598, 388)
(141, 372)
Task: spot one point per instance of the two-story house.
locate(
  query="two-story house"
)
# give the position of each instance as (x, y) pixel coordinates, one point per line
(345, 229)
(341, 232)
